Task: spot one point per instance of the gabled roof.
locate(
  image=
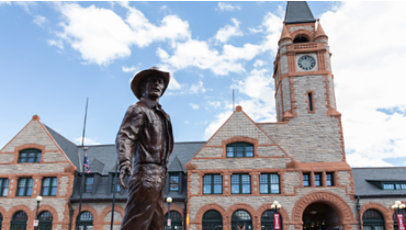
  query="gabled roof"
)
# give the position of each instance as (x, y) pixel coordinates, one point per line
(70, 149)
(298, 12)
(366, 180)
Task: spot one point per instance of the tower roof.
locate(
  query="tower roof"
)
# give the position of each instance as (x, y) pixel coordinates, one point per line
(298, 12)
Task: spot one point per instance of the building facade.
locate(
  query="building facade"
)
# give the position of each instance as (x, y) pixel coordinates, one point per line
(228, 182)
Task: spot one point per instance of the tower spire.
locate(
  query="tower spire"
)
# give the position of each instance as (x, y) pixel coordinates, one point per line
(319, 31)
(298, 12)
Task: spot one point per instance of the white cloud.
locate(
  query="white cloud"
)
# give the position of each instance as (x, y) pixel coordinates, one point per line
(56, 43)
(88, 141)
(368, 60)
(215, 125)
(5, 3)
(101, 36)
(225, 33)
(130, 69)
(194, 106)
(39, 20)
(197, 88)
(223, 6)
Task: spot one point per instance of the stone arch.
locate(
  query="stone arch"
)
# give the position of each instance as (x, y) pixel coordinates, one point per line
(96, 218)
(246, 207)
(199, 215)
(386, 213)
(30, 215)
(55, 218)
(303, 33)
(282, 212)
(108, 210)
(343, 210)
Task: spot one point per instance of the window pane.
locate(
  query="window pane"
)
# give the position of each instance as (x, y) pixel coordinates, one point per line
(263, 188)
(31, 157)
(218, 189)
(388, 186)
(206, 189)
(249, 151)
(403, 186)
(263, 178)
(317, 179)
(306, 181)
(246, 189)
(275, 188)
(235, 189)
(230, 152)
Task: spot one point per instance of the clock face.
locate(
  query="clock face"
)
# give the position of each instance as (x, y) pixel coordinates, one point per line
(306, 62)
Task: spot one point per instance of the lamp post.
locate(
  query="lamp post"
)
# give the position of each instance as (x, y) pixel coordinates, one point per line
(169, 201)
(36, 221)
(276, 206)
(400, 218)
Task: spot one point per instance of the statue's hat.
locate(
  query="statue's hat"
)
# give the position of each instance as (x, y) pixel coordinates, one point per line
(141, 76)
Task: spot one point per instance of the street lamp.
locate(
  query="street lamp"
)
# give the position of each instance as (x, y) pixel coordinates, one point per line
(400, 218)
(276, 206)
(169, 201)
(36, 221)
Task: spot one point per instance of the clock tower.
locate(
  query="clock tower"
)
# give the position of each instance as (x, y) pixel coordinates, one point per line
(304, 87)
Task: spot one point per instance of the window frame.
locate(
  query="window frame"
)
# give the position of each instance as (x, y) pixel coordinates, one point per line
(318, 182)
(269, 183)
(24, 155)
(175, 188)
(89, 187)
(240, 183)
(4, 187)
(329, 181)
(212, 184)
(233, 150)
(26, 187)
(50, 187)
(308, 180)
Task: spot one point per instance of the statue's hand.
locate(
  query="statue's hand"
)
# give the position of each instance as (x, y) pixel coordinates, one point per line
(125, 170)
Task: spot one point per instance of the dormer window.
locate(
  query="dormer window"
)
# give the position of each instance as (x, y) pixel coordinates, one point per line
(301, 39)
(29, 156)
(240, 149)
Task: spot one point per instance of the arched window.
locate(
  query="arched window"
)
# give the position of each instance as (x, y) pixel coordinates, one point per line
(301, 39)
(19, 221)
(395, 220)
(240, 149)
(45, 220)
(267, 220)
(373, 220)
(176, 221)
(29, 156)
(212, 220)
(241, 220)
(85, 221)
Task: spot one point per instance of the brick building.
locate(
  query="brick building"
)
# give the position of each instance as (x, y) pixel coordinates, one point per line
(230, 181)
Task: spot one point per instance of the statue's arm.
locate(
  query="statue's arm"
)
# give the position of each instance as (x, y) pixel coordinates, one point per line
(126, 140)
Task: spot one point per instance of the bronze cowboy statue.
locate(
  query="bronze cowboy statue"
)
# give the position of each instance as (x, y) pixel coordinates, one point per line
(144, 143)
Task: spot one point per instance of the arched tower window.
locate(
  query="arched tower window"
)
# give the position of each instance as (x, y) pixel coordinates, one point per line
(301, 38)
(45, 221)
(19, 221)
(29, 156)
(84, 221)
(310, 101)
(176, 221)
(212, 220)
(373, 220)
(240, 149)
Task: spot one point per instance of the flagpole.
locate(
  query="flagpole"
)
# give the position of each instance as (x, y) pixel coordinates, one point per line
(81, 173)
(114, 195)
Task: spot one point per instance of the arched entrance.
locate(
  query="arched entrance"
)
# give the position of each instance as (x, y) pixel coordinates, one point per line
(320, 216)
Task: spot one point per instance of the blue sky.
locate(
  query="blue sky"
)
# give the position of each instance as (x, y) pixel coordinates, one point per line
(55, 54)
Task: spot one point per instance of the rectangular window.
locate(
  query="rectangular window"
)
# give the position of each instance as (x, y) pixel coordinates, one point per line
(240, 149)
(3, 187)
(269, 183)
(306, 179)
(240, 184)
(24, 187)
(329, 179)
(394, 186)
(174, 182)
(317, 179)
(29, 156)
(212, 184)
(49, 186)
(89, 181)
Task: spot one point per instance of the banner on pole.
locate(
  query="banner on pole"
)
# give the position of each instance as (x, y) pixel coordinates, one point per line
(276, 221)
(401, 221)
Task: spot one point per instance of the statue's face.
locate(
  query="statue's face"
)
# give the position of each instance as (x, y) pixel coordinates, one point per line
(154, 87)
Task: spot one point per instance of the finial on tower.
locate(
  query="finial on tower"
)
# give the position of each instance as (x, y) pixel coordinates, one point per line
(298, 12)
